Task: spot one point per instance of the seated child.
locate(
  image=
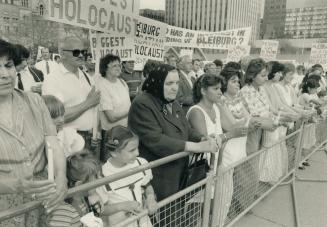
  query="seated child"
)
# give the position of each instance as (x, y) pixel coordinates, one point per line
(126, 193)
(68, 138)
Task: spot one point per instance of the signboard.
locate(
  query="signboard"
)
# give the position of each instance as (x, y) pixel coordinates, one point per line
(224, 39)
(109, 16)
(103, 44)
(236, 53)
(149, 41)
(269, 50)
(180, 37)
(318, 54)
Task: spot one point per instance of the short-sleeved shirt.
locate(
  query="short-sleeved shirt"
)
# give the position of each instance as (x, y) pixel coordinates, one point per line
(22, 148)
(256, 101)
(114, 96)
(72, 91)
(120, 190)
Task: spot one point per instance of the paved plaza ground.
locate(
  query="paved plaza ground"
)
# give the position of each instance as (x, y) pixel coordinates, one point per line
(276, 210)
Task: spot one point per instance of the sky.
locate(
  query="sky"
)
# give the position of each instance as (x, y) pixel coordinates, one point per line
(152, 4)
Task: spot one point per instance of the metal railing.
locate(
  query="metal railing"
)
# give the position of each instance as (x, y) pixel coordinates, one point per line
(222, 198)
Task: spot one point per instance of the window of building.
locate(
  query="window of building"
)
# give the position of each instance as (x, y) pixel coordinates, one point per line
(25, 3)
(6, 28)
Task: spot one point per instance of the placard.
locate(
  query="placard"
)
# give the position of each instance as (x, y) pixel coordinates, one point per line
(180, 37)
(319, 54)
(236, 53)
(269, 50)
(149, 41)
(188, 52)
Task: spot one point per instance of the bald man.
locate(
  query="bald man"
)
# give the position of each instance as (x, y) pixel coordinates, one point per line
(74, 88)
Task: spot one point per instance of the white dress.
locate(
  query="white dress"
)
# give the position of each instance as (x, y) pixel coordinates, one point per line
(224, 184)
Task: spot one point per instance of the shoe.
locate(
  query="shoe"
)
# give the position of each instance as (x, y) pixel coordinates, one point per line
(301, 167)
(306, 163)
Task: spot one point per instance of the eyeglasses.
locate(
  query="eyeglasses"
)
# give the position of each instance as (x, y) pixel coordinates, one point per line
(77, 52)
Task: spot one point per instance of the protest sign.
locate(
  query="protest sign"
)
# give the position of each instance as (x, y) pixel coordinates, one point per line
(149, 41)
(224, 39)
(39, 52)
(103, 44)
(188, 52)
(110, 16)
(236, 53)
(318, 54)
(180, 37)
(269, 50)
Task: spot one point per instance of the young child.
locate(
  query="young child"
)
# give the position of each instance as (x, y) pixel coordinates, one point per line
(126, 194)
(68, 138)
(78, 210)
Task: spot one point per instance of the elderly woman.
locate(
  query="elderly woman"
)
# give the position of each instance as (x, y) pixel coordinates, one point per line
(25, 127)
(115, 101)
(160, 122)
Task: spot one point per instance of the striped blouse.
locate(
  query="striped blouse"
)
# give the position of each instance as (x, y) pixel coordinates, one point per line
(22, 148)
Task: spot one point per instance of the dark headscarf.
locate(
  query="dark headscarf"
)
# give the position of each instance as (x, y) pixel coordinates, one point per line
(154, 84)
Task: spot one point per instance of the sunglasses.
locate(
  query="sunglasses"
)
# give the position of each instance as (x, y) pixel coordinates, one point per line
(77, 52)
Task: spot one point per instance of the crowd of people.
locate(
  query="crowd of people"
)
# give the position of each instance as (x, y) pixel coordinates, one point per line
(224, 111)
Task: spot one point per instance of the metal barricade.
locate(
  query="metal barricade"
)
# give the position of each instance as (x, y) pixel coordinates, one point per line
(224, 197)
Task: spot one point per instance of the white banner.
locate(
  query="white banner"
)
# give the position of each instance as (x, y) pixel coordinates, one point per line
(224, 39)
(109, 16)
(180, 37)
(319, 54)
(149, 42)
(236, 53)
(269, 50)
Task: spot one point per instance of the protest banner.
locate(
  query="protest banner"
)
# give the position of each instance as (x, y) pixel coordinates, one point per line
(224, 39)
(188, 52)
(103, 44)
(109, 16)
(236, 53)
(180, 37)
(318, 54)
(149, 41)
(269, 50)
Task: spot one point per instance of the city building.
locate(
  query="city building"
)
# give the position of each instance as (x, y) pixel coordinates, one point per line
(294, 19)
(308, 22)
(214, 15)
(273, 23)
(158, 15)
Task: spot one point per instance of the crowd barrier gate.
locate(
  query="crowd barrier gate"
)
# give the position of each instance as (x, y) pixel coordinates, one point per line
(221, 199)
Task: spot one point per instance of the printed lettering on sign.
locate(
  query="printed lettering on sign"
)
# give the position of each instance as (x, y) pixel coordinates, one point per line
(110, 16)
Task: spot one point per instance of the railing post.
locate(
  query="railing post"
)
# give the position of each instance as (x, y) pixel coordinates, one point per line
(293, 181)
(207, 200)
(214, 217)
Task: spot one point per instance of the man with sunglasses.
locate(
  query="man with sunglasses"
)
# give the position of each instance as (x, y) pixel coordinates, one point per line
(74, 88)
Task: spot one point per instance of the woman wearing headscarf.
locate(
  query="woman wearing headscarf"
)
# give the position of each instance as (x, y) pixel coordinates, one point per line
(25, 127)
(159, 121)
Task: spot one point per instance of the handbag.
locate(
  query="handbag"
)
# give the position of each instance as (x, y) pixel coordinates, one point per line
(195, 171)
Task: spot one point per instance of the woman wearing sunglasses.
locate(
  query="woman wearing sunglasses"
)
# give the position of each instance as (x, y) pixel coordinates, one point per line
(75, 89)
